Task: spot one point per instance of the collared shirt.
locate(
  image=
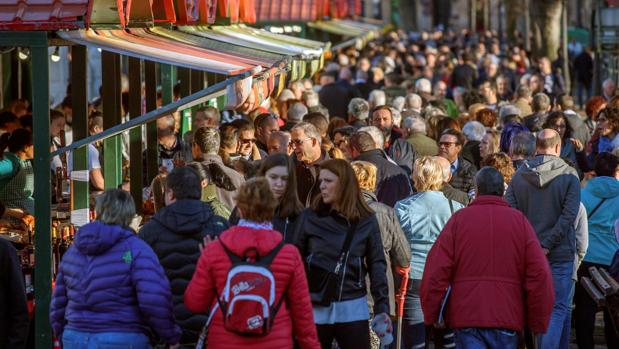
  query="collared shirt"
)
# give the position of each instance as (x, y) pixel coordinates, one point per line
(454, 166)
(255, 225)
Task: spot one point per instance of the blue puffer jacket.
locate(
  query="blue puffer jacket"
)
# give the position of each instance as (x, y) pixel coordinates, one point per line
(111, 281)
(602, 241)
(422, 217)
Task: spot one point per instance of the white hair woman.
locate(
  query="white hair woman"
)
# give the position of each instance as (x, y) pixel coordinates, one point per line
(422, 217)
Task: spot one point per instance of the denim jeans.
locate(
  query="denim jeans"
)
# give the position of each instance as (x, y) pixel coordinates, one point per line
(482, 338)
(558, 334)
(414, 332)
(72, 339)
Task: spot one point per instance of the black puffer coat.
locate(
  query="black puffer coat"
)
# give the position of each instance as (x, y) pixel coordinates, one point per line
(286, 226)
(320, 237)
(174, 233)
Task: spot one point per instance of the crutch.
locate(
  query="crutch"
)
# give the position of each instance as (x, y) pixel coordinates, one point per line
(399, 298)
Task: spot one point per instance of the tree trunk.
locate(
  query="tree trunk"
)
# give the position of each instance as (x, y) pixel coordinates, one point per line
(514, 10)
(546, 27)
(408, 14)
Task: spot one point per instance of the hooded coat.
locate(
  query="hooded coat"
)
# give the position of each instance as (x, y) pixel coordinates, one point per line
(602, 191)
(174, 233)
(294, 318)
(547, 191)
(111, 281)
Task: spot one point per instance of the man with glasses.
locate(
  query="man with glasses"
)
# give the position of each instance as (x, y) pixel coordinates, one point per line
(247, 141)
(395, 146)
(306, 142)
(462, 171)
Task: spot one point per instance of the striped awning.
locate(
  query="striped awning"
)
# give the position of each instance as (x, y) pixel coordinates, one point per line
(355, 32)
(142, 44)
(234, 52)
(307, 56)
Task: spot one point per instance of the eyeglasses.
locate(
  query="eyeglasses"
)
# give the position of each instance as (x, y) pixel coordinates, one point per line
(248, 141)
(446, 144)
(559, 126)
(298, 142)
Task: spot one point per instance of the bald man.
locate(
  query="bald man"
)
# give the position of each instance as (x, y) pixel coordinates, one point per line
(547, 191)
(449, 191)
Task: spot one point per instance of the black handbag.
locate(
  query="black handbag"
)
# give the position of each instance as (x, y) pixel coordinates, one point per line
(323, 283)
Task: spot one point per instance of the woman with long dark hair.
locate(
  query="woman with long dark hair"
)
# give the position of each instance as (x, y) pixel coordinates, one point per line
(16, 171)
(558, 122)
(278, 169)
(340, 240)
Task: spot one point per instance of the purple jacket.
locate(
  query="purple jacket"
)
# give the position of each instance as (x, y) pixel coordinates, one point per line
(111, 281)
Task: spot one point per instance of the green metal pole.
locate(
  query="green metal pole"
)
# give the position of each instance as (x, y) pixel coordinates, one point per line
(112, 156)
(152, 153)
(184, 76)
(197, 84)
(167, 83)
(135, 135)
(43, 196)
(79, 79)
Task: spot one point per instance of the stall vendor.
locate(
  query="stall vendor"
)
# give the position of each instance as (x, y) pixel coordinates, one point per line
(16, 172)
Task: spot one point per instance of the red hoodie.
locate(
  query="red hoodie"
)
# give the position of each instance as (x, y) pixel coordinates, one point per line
(294, 318)
(500, 278)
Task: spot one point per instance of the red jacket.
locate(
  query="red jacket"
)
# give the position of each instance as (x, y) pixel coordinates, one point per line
(500, 278)
(295, 317)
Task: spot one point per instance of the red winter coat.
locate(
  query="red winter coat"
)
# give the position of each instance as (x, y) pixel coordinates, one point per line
(295, 317)
(500, 278)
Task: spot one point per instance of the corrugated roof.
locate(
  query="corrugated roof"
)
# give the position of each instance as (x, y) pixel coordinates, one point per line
(43, 14)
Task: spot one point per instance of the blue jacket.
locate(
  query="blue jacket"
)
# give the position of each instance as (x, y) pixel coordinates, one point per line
(422, 217)
(602, 241)
(111, 281)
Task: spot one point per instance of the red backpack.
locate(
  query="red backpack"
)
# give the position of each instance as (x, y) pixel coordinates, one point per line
(248, 298)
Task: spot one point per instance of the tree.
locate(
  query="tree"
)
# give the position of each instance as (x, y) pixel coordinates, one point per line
(546, 27)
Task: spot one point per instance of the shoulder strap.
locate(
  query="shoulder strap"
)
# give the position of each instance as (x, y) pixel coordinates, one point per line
(233, 258)
(348, 240)
(451, 206)
(596, 208)
(268, 259)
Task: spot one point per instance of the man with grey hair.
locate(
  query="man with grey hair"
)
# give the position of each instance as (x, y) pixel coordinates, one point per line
(296, 112)
(279, 142)
(414, 129)
(311, 99)
(306, 143)
(523, 99)
(398, 103)
(522, 148)
(541, 107)
(520, 298)
(377, 98)
(205, 148)
(392, 183)
(358, 112)
(473, 132)
(547, 191)
(413, 103)
(609, 89)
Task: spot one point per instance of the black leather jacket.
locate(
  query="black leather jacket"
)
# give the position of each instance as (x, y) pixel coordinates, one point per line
(320, 236)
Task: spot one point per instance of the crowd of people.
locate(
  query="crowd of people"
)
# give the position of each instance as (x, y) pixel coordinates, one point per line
(437, 173)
